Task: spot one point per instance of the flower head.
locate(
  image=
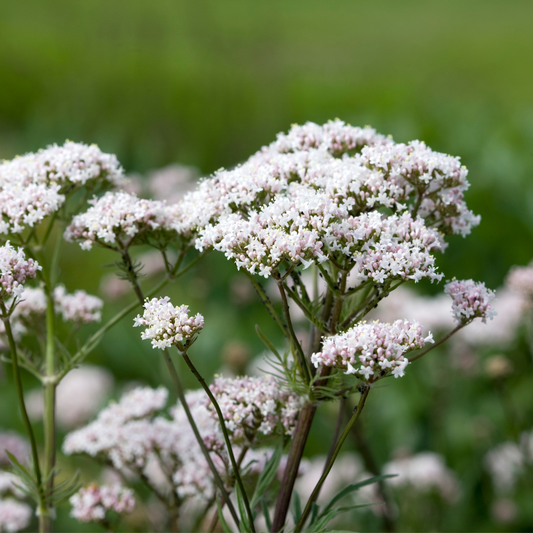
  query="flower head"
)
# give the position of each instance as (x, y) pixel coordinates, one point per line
(14, 515)
(117, 219)
(255, 406)
(470, 300)
(14, 270)
(92, 503)
(167, 325)
(372, 351)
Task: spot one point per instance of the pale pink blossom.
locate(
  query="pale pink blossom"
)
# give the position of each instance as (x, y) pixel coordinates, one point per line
(116, 220)
(77, 307)
(14, 515)
(92, 503)
(372, 351)
(254, 407)
(424, 472)
(470, 300)
(79, 396)
(14, 271)
(167, 325)
(14, 444)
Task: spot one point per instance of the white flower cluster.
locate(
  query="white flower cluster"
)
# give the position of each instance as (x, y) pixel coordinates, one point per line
(14, 444)
(117, 219)
(253, 406)
(470, 300)
(14, 515)
(306, 197)
(130, 436)
(122, 431)
(372, 350)
(32, 186)
(92, 503)
(78, 307)
(14, 271)
(335, 137)
(436, 180)
(424, 472)
(520, 280)
(8, 484)
(508, 461)
(167, 325)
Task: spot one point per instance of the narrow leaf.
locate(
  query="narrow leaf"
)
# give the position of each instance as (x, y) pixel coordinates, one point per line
(267, 475)
(351, 488)
(245, 522)
(266, 514)
(264, 338)
(296, 507)
(221, 518)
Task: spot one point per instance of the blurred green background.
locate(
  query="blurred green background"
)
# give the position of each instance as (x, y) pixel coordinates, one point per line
(207, 83)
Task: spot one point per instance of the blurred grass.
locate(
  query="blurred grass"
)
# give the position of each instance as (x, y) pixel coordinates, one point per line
(208, 82)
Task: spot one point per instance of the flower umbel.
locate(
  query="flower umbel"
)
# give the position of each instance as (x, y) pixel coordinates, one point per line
(470, 300)
(167, 325)
(14, 270)
(372, 350)
(92, 503)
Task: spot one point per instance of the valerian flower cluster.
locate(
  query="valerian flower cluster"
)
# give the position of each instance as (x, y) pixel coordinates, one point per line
(362, 212)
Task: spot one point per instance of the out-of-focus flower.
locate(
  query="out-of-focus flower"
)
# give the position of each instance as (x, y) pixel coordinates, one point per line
(14, 515)
(80, 394)
(424, 472)
(498, 366)
(8, 485)
(255, 406)
(520, 280)
(171, 183)
(77, 307)
(470, 300)
(92, 503)
(374, 349)
(167, 325)
(14, 444)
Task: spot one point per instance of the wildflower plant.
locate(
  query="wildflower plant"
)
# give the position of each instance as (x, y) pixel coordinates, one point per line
(358, 213)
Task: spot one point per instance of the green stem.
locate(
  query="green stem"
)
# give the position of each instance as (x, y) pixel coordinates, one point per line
(329, 465)
(207, 390)
(96, 337)
(22, 405)
(438, 343)
(297, 347)
(267, 303)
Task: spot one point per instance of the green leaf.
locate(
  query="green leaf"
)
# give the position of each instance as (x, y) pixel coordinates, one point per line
(245, 522)
(266, 514)
(296, 507)
(351, 488)
(268, 344)
(324, 519)
(221, 518)
(267, 476)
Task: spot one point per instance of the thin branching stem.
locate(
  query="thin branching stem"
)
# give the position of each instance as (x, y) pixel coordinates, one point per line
(438, 343)
(304, 368)
(329, 465)
(233, 461)
(22, 405)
